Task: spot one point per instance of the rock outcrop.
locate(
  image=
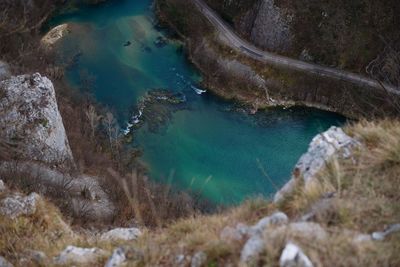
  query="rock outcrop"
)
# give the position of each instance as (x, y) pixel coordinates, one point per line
(118, 234)
(333, 142)
(267, 27)
(16, 205)
(30, 119)
(75, 255)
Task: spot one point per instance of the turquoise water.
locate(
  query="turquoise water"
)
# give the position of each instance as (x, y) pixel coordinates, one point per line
(206, 145)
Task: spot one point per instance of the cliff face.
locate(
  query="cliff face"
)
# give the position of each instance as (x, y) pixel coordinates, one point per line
(267, 26)
(30, 119)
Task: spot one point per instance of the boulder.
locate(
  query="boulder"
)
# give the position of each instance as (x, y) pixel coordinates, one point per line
(293, 256)
(126, 234)
(325, 146)
(75, 255)
(31, 119)
(17, 205)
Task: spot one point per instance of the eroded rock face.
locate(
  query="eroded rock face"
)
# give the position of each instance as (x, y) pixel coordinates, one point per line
(322, 148)
(268, 27)
(30, 118)
(17, 205)
(76, 255)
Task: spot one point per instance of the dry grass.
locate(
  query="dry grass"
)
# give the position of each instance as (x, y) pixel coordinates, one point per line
(366, 200)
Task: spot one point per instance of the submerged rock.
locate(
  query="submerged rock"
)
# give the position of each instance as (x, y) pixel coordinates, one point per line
(54, 35)
(333, 142)
(31, 120)
(293, 256)
(76, 255)
(122, 234)
(17, 205)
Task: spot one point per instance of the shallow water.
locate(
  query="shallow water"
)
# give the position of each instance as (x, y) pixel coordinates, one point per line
(208, 145)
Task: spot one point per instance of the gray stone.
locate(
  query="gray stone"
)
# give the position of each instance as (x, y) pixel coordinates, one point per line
(5, 263)
(308, 229)
(31, 116)
(2, 186)
(117, 258)
(4, 70)
(267, 27)
(199, 259)
(17, 205)
(333, 142)
(252, 250)
(293, 256)
(122, 234)
(278, 218)
(379, 236)
(76, 255)
(38, 257)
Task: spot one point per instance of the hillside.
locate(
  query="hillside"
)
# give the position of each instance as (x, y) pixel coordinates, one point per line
(348, 217)
(76, 191)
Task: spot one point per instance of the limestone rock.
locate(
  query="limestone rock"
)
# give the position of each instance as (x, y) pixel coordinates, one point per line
(5, 263)
(31, 119)
(307, 229)
(17, 205)
(256, 244)
(277, 218)
(252, 250)
(76, 255)
(382, 235)
(333, 142)
(122, 234)
(293, 256)
(117, 258)
(199, 259)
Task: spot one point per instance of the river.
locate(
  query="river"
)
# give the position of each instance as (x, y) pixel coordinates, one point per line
(197, 141)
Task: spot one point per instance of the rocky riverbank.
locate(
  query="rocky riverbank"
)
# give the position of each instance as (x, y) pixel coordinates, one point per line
(231, 75)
